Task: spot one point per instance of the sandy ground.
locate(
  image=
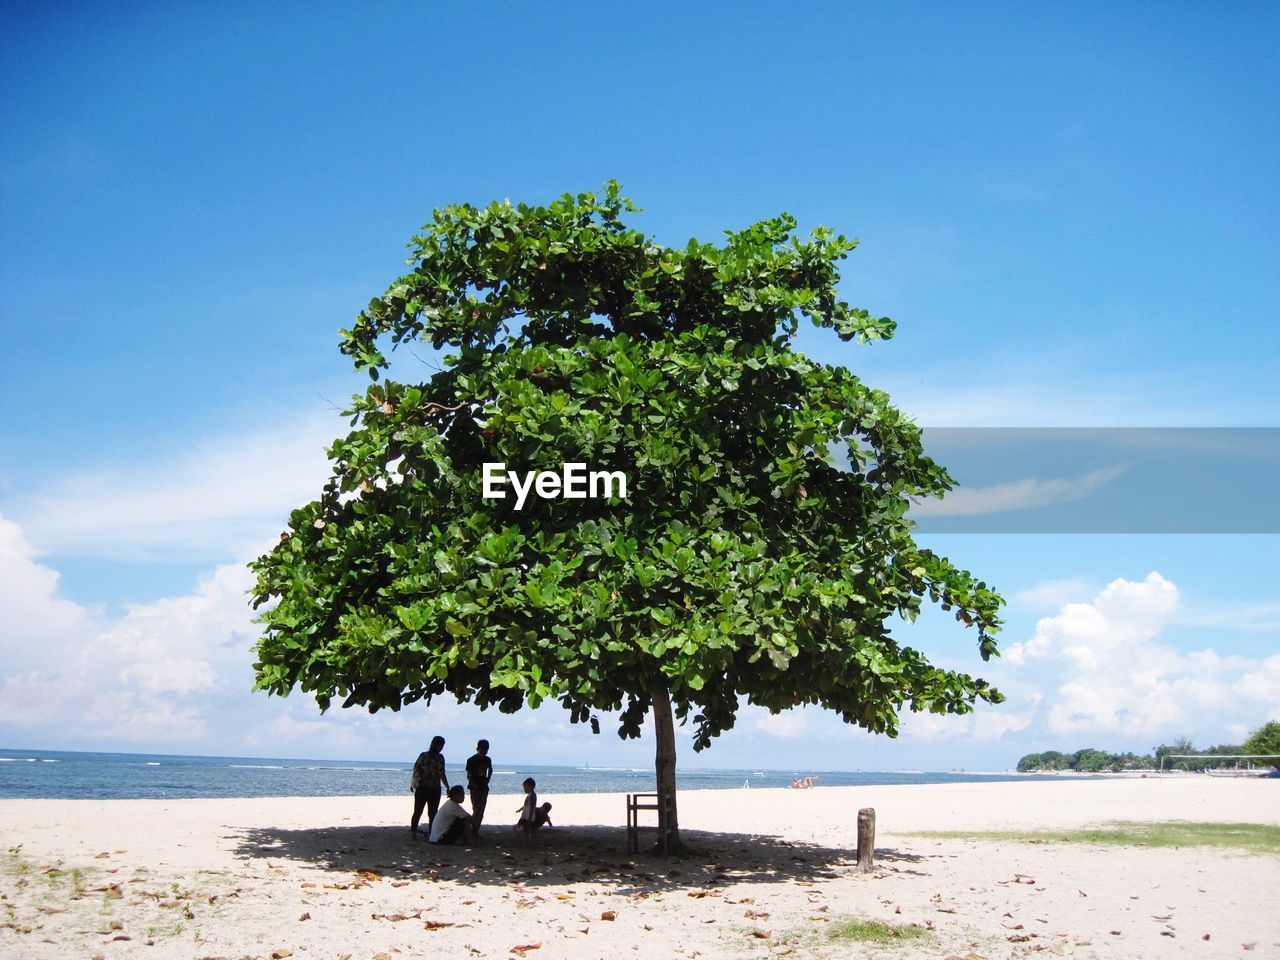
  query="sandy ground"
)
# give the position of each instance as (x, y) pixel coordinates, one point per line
(773, 874)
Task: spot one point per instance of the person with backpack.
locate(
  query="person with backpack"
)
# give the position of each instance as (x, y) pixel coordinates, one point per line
(428, 779)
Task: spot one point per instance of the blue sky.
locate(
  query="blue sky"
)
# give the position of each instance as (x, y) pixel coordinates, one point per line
(1069, 209)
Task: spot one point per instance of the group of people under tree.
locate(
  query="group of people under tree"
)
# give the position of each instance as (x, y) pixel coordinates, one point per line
(449, 822)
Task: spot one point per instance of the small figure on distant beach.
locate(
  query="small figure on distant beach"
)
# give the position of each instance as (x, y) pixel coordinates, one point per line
(803, 784)
(452, 822)
(532, 816)
(479, 773)
(428, 776)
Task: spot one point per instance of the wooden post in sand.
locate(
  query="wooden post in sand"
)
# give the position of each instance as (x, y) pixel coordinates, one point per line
(866, 839)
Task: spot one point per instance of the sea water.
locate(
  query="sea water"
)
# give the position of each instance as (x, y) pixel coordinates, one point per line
(49, 774)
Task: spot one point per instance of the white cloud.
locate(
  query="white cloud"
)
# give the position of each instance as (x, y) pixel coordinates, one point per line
(1054, 593)
(788, 724)
(36, 621)
(1023, 494)
(1262, 683)
(1115, 678)
(1247, 617)
(154, 674)
(985, 724)
(204, 504)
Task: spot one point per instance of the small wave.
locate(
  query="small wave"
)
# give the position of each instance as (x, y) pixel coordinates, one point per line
(505, 773)
(151, 763)
(45, 760)
(254, 766)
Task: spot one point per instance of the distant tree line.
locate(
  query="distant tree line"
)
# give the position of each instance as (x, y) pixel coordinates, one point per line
(1266, 739)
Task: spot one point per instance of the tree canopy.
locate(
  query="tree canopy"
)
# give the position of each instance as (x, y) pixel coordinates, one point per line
(762, 548)
(1266, 739)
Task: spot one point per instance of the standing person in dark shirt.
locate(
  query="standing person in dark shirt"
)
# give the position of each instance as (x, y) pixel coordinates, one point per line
(428, 775)
(479, 773)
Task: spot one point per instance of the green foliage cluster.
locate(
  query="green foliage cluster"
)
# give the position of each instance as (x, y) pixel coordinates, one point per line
(1261, 838)
(1087, 760)
(763, 544)
(858, 930)
(1264, 740)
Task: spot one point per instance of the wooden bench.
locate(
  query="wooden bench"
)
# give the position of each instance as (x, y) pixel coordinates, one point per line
(637, 802)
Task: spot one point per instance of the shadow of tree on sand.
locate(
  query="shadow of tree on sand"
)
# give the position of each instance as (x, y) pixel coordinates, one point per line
(573, 854)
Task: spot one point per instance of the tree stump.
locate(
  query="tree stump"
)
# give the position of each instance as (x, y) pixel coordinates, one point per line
(866, 839)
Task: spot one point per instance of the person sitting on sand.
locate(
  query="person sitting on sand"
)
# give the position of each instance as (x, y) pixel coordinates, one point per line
(428, 775)
(479, 773)
(543, 816)
(452, 822)
(532, 816)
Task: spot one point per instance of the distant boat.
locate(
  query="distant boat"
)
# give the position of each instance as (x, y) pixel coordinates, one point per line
(758, 773)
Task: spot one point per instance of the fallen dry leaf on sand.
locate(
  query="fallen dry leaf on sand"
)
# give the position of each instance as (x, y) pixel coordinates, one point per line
(762, 934)
(525, 947)
(608, 915)
(436, 925)
(281, 954)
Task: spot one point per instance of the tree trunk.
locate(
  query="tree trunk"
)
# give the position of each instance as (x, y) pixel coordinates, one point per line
(665, 762)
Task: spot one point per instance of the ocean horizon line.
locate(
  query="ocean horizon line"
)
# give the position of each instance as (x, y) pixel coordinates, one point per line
(347, 763)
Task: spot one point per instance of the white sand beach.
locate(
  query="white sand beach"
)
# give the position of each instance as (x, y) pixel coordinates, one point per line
(772, 875)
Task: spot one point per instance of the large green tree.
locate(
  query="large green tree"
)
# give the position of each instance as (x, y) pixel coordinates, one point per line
(762, 547)
(1265, 740)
